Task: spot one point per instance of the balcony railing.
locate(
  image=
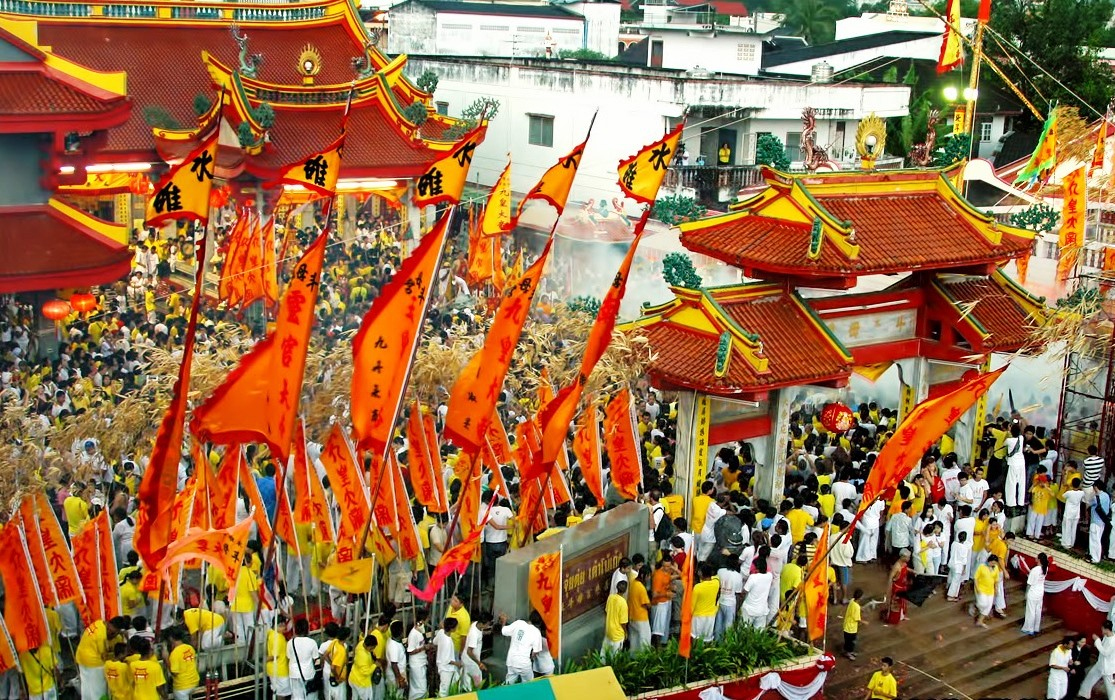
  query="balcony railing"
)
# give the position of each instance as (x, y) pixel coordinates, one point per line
(714, 185)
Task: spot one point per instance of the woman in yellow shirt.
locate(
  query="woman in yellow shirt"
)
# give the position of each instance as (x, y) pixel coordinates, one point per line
(278, 665)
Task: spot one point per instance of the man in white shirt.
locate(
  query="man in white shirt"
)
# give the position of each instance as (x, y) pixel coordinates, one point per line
(446, 657)
(526, 641)
(950, 478)
(756, 591)
(495, 536)
(707, 541)
(959, 558)
(472, 668)
(1070, 520)
(395, 657)
(302, 654)
(620, 574)
(868, 549)
(731, 587)
(1104, 666)
(844, 489)
(416, 656)
(966, 493)
(979, 486)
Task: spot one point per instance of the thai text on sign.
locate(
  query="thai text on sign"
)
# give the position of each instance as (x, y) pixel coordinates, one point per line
(587, 577)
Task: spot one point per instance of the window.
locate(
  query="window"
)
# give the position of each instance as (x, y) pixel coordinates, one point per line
(655, 57)
(984, 129)
(745, 52)
(793, 145)
(442, 108)
(541, 130)
(494, 28)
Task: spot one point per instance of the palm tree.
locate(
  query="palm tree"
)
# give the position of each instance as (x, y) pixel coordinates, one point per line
(815, 19)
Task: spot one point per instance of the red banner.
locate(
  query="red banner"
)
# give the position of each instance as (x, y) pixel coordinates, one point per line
(544, 591)
(622, 445)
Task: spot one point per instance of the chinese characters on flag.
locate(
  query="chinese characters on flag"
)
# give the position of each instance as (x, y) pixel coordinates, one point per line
(383, 347)
(815, 590)
(555, 184)
(23, 608)
(623, 447)
(223, 549)
(347, 483)
(1073, 213)
(1099, 153)
(403, 528)
(586, 446)
(183, 193)
(424, 461)
(496, 218)
(318, 172)
(545, 594)
(310, 505)
(230, 288)
(641, 175)
(260, 275)
(51, 559)
(445, 180)
(952, 48)
(95, 560)
(259, 400)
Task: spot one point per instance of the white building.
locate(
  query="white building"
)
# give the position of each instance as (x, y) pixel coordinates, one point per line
(461, 28)
(546, 108)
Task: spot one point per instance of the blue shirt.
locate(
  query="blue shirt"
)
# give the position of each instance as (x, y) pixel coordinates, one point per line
(266, 486)
(1103, 501)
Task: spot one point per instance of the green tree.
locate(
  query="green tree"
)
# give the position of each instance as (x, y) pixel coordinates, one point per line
(770, 151)
(583, 55)
(815, 20)
(1063, 37)
(954, 147)
(470, 116)
(674, 209)
(427, 82)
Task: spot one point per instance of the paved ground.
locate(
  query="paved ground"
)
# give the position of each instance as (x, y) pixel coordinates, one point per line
(939, 653)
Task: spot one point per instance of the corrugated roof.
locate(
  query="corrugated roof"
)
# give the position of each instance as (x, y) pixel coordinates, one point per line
(500, 8)
(781, 57)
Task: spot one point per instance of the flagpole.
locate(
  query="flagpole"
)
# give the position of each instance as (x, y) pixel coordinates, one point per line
(561, 600)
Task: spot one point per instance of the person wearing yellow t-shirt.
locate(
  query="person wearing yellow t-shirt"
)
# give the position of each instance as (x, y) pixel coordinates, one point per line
(700, 506)
(853, 618)
(459, 612)
(243, 605)
(76, 508)
(638, 611)
(92, 652)
(148, 681)
(278, 665)
(883, 685)
(206, 627)
(1041, 501)
(705, 606)
(615, 620)
(799, 520)
(826, 501)
(118, 675)
(986, 581)
(334, 662)
(672, 502)
(182, 664)
(132, 600)
(39, 667)
(363, 665)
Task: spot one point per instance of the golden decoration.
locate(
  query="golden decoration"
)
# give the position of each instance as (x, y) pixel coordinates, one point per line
(309, 62)
(871, 140)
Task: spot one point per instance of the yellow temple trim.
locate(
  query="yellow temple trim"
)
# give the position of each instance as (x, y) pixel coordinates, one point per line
(115, 232)
(109, 83)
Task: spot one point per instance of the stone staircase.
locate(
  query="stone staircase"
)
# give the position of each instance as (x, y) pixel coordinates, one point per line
(940, 653)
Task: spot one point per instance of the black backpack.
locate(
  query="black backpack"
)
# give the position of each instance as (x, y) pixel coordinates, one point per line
(665, 530)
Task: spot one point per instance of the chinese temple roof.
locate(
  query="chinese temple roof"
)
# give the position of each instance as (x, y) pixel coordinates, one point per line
(741, 340)
(174, 52)
(40, 92)
(830, 228)
(1000, 313)
(53, 245)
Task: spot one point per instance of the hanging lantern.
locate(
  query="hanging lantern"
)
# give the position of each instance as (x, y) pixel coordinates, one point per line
(56, 309)
(139, 184)
(83, 302)
(837, 418)
(219, 196)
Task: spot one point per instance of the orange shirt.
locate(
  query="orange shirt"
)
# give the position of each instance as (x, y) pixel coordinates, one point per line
(660, 586)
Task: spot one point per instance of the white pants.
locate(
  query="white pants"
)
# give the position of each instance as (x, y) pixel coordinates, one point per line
(759, 621)
(1000, 596)
(445, 679)
(93, 685)
(338, 692)
(1095, 542)
(280, 686)
(704, 628)
(984, 603)
(416, 674)
(704, 549)
(957, 575)
(639, 634)
(298, 575)
(868, 544)
(725, 617)
(660, 619)
(179, 694)
(1069, 527)
(606, 647)
(1058, 684)
(524, 674)
(1032, 623)
(214, 638)
(1015, 494)
(1095, 674)
(1034, 523)
(471, 677)
(298, 690)
(52, 694)
(242, 626)
(360, 692)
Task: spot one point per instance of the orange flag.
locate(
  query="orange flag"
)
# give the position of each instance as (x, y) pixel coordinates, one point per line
(204, 490)
(96, 567)
(1022, 265)
(497, 439)
(23, 608)
(623, 447)
(556, 182)
(468, 502)
(918, 431)
(310, 505)
(1099, 153)
(261, 272)
(259, 400)
(497, 483)
(685, 638)
(484, 256)
(816, 589)
(424, 461)
(225, 489)
(496, 218)
(230, 288)
(284, 516)
(530, 507)
(545, 594)
(952, 46)
(183, 193)
(444, 181)
(223, 549)
(347, 482)
(7, 649)
(454, 560)
(556, 416)
(248, 483)
(50, 558)
(472, 401)
(404, 530)
(157, 490)
(528, 451)
(641, 175)
(586, 447)
(318, 171)
(383, 348)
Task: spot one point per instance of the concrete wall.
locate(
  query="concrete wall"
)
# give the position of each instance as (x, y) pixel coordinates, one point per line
(635, 106)
(601, 25)
(721, 52)
(19, 179)
(590, 552)
(501, 35)
(413, 29)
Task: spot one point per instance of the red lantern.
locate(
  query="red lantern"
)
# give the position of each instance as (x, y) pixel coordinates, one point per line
(56, 309)
(837, 418)
(219, 196)
(83, 302)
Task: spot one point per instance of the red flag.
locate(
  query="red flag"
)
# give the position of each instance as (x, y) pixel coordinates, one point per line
(160, 480)
(557, 415)
(952, 45)
(685, 638)
(383, 348)
(424, 461)
(623, 446)
(262, 272)
(454, 560)
(247, 480)
(918, 431)
(310, 505)
(816, 589)
(23, 608)
(544, 592)
(259, 400)
(586, 446)
(347, 482)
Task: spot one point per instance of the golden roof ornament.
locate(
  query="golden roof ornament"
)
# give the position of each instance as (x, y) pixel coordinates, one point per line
(309, 63)
(871, 140)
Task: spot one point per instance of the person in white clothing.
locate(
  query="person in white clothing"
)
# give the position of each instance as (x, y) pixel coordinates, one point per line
(1104, 666)
(707, 541)
(1070, 519)
(495, 537)
(620, 574)
(756, 590)
(526, 642)
(1060, 659)
(958, 564)
(1035, 594)
(1016, 468)
(416, 656)
(472, 668)
(868, 549)
(731, 587)
(448, 667)
(302, 655)
(395, 658)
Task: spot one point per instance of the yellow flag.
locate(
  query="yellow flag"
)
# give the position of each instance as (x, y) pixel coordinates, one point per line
(556, 182)
(444, 181)
(350, 577)
(497, 212)
(318, 172)
(952, 51)
(641, 175)
(184, 192)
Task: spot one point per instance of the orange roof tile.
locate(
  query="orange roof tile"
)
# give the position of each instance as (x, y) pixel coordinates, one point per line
(35, 92)
(997, 310)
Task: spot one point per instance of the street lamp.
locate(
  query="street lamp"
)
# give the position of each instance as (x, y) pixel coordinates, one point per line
(951, 93)
(970, 94)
